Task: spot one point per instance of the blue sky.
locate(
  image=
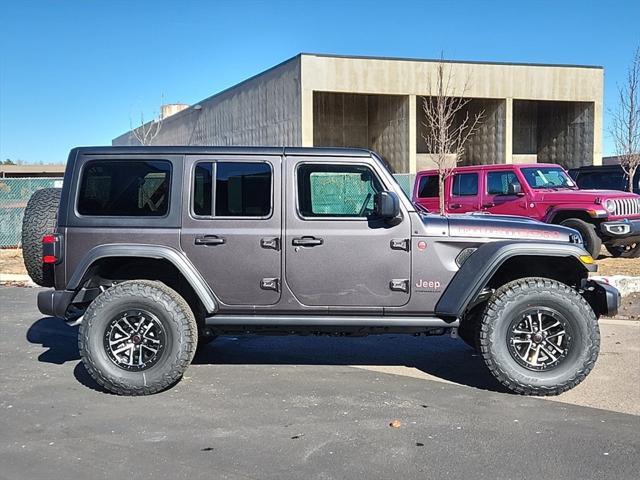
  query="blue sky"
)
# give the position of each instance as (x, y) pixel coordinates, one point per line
(73, 72)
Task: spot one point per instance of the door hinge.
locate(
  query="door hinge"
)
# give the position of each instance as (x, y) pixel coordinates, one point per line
(270, 284)
(400, 244)
(399, 285)
(272, 243)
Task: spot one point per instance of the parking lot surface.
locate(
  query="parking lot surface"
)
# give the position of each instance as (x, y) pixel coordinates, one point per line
(298, 407)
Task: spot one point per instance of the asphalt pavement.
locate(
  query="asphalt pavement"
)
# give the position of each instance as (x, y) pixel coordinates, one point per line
(306, 408)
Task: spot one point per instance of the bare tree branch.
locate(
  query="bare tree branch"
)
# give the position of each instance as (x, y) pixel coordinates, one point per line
(448, 125)
(625, 121)
(147, 131)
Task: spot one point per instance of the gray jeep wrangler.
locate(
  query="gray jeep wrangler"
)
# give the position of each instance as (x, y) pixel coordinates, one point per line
(156, 250)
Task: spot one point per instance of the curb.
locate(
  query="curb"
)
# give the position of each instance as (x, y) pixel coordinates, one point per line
(625, 284)
(10, 278)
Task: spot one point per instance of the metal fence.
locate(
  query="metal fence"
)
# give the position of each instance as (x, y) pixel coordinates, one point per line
(14, 195)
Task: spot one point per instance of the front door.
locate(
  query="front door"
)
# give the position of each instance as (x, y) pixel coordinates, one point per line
(497, 199)
(336, 252)
(232, 232)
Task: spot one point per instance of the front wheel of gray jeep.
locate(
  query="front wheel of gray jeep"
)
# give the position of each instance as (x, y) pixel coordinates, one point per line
(137, 338)
(539, 336)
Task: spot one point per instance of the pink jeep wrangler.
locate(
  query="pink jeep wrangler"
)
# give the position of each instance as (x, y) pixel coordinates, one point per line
(543, 192)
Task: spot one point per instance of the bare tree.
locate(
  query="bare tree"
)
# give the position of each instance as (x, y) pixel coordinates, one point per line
(625, 125)
(448, 124)
(147, 131)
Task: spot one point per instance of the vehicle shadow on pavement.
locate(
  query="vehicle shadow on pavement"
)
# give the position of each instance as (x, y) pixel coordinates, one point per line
(441, 357)
(62, 343)
(58, 337)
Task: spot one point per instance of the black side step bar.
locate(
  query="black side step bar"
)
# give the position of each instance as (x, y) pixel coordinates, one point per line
(329, 321)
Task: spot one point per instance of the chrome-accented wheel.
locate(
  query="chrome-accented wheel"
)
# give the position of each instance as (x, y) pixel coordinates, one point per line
(134, 340)
(539, 339)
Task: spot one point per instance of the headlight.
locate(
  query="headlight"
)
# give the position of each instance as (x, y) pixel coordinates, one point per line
(610, 205)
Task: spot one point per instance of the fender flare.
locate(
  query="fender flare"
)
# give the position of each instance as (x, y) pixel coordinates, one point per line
(476, 272)
(176, 258)
(554, 211)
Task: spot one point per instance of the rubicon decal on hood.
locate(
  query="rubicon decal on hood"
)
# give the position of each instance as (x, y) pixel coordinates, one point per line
(504, 232)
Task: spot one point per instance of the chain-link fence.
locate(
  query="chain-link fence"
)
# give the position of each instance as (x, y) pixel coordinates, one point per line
(14, 195)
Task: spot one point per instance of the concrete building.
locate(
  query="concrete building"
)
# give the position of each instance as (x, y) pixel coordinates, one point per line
(544, 113)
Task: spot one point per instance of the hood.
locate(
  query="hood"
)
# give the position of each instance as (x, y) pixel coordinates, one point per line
(581, 196)
(507, 227)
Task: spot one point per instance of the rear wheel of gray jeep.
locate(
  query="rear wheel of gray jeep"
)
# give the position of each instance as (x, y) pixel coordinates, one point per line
(624, 251)
(40, 217)
(539, 337)
(592, 242)
(137, 338)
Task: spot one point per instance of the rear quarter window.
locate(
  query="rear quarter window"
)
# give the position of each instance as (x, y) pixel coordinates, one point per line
(125, 188)
(428, 187)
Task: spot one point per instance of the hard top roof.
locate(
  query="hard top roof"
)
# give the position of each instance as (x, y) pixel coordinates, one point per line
(200, 150)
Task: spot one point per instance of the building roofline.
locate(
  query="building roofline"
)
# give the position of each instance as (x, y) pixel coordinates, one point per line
(472, 62)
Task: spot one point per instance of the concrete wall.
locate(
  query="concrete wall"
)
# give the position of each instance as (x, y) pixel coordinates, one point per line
(503, 82)
(377, 122)
(264, 110)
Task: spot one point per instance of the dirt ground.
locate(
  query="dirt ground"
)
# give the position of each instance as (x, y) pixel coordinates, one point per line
(11, 262)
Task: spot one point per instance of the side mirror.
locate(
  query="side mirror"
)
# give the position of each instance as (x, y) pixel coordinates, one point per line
(386, 204)
(514, 189)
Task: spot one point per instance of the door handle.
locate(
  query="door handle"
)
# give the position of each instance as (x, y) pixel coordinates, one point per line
(307, 242)
(455, 205)
(488, 205)
(209, 240)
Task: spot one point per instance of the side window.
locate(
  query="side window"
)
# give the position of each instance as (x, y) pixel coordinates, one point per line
(336, 190)
(125, 188)
(498, 182)
(465, 185)
(232, 189)
(428, 187)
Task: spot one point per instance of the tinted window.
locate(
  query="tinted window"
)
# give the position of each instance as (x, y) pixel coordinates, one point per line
(465, 185)
(428, 187)
(243, 189)
(202, 189)
(611, 180)
(336, 190)
(125, 188)
(498, 182)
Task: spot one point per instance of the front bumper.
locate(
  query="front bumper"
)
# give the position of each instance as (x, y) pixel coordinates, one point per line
(603, 298)
(623, 228)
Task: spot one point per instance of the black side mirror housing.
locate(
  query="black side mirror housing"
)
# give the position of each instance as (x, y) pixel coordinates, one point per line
(386, 204)
(514, 189)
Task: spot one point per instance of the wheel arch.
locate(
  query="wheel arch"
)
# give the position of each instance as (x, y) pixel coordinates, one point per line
(559, 215)
(497, 263)
(104, 259)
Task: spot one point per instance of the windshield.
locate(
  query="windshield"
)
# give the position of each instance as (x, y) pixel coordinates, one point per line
(547, 177)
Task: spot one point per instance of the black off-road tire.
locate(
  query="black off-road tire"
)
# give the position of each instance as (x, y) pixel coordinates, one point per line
(40, 217)
(592, 242)
(511, 300)
(633, 251)
(173, 313)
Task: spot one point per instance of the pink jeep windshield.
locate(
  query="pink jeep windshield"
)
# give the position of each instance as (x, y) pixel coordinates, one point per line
(547, 177)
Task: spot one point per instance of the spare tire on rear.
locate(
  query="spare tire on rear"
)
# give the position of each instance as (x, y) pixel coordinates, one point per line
(40, 218)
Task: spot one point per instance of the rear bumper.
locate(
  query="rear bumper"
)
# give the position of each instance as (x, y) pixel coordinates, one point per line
(55, 302)
(603, 298)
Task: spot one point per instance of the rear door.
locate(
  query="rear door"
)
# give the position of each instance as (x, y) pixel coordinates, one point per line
(425, 191)
(232, 231)
(496, 197)
(464, 193)
(336, 252)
